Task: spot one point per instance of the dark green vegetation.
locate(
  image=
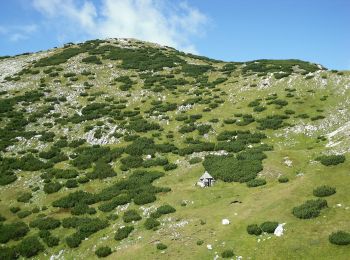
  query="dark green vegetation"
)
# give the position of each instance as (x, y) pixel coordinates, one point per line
(268, 227)
(340, 238)
(123, 232)
(161, 246)
(324, 191)
(328, 160)
(227, 253)
(254, 229)
(309, 209)
(151, 223)
(101, 144)
(103, 251)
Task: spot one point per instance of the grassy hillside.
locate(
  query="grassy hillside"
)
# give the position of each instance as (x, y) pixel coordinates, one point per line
(102, 144)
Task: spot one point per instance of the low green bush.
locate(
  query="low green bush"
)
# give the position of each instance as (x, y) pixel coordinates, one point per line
(24, 197)
(230, 121)
(227, 253)
(256, 183)
(324, 191)
(283, 179)
(131, 215)
(269, 226)
(122, 199)
(340, 238)
(151, 223)
(195, 160)
(199, 242)
(170, 166)
(144, 198)
(161, 246)
(82, 208)
(24, 213)
(13, 231)
(101, 171)
(132, 161)
(71, 183)
(272, 122)
(52, 187)
(14, 210)
(259, 108)
(73, 240)
(51, 241)
(46, 223)
(123, 232)
(229, 169)
(29, 247)
(8, 253)
(328, 160)
(254, 229)
(309, 209)
(103, 251)
(166, 209)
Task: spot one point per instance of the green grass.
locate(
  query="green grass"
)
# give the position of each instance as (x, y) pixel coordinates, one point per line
(199, 212)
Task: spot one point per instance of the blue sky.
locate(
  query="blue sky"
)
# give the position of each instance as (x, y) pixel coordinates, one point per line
(231, 30)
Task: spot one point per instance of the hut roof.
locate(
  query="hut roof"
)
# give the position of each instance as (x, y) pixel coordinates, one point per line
(206, 175)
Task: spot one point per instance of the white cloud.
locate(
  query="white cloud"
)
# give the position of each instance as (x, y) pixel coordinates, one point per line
(150, 20)
(83, 15)
(16, 37)
(15, 33)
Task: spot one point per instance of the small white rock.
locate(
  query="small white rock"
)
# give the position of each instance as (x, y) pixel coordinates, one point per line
(279, 230)
(225, 221)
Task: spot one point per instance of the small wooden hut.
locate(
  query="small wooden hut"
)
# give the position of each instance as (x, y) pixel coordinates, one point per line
(206, 180)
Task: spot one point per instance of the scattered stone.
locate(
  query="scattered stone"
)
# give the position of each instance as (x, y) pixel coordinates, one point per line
(279, 230)
(225, 221)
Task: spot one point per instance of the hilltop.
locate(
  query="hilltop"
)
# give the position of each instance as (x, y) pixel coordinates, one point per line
(102, 143)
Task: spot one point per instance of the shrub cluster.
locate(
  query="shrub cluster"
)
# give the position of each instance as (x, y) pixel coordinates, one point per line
(340, 238)
(163, 210)
(13, 231)
(256, 182)
(122, 199)
(49, 240)
(151, 223)
(123, 232)
(283, 179)
(85, 227)
(328, 160)
(30, 246)
(144, 198)
(24, 197)
(227, 253)
(269, 226)
(46, 223)
(86, 155)
(161, 246)
(101, 171)
(309, 209)
(254, 229)
(81, 208)
(229, 169)
(72, 199)
(103, 251)
(52, 187)
(272, 122)
(324, 191)
(131, 215)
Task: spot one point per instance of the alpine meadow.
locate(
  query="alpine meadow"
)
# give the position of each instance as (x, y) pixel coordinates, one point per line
(126, 149)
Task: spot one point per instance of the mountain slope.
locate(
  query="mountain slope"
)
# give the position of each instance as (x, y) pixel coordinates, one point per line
(98, 135)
